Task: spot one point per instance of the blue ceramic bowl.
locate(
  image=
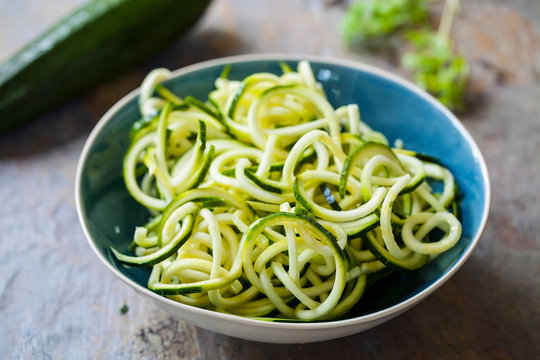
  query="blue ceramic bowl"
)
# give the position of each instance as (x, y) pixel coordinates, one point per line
(387, 103)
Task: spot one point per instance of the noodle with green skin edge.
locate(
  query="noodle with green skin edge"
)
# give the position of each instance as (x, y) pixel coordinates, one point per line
(267, 202)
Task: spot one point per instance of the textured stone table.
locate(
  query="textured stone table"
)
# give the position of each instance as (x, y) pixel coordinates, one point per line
(57, 301)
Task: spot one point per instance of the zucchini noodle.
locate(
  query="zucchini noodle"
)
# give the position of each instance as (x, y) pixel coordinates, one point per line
(265, 201)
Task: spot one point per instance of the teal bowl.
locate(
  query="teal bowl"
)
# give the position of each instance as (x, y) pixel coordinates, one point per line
(387, 103)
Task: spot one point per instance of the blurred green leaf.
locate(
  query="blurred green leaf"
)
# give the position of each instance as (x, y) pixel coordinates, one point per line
(124, 309)
(368, 18)
(431, 60)
(436, 68)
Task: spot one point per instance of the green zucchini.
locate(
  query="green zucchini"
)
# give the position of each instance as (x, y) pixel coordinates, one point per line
(369, 149)
(361, 155)
(412, 262)
(95, 42)
(271, 237)
(166, 251)
(318, 231)
(357, 228)
(264, 184)
(329, 197)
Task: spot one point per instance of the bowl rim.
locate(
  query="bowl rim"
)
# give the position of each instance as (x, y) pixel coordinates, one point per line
(239, 320)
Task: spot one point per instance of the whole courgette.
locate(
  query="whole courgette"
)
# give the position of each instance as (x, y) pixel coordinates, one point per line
(97, 41)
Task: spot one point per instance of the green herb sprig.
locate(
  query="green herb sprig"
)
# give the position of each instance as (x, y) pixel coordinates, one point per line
(431, 59)
(374, 18)
(124, 309)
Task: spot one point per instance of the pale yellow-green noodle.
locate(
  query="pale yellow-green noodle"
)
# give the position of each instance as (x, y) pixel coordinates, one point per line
(266, 201)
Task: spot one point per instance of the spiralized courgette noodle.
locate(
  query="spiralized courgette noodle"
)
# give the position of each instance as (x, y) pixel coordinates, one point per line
(265, 201)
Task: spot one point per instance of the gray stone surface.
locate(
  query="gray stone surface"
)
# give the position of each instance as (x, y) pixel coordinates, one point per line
(57, 301)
